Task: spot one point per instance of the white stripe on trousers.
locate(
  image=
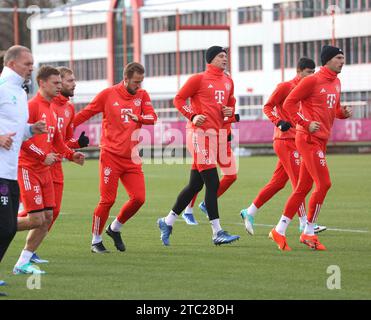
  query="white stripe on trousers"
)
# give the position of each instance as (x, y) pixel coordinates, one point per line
(96, 225)
(316, 212)
(302, 210)
(26, 180)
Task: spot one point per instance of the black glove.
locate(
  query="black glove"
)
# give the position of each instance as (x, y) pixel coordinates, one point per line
(283, 125)
(83, 140)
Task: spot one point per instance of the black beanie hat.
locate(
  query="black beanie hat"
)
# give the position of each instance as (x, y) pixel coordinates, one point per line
(328, 52)
(212, 52)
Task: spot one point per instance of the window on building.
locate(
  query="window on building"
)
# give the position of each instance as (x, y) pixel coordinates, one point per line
(85, 70)
(164, 64)
(165, 109)
(356, 51)
(348, 51)
(197, 18)
(172, 69)
(276, 11)
(315, 8)
(205, 18)
(251, 100)
(308, 9)
(251, 14)
(250, 58)
(162, 103)
(159, 24)
(360, 102)
(80, 32)
(277, 55)
(251, 106)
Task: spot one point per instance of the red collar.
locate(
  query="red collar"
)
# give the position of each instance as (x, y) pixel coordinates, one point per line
(327, 73)
(214, 70)
(61, 100)
(41, 99)
(124, 92)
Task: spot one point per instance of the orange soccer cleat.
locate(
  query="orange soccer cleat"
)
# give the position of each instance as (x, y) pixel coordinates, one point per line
(280, 240)
(312, 242)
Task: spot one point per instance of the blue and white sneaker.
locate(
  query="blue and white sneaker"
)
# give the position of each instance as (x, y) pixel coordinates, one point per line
(189, 218)
(248, 220)
(27, 268)
(223, 237)
(36, 259)
(202, 207)
(317, 228)
(2, 283)
(166, 231)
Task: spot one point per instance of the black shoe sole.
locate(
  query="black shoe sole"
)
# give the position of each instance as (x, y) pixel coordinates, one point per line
(222, 243)
(122, 249)
(95, 251)
(119, 248)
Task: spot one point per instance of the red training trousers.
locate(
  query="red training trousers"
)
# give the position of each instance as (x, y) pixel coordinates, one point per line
(313, 168)
(58, 183)
(288, 167)
(37, 192)
(225, 159)
(112, 169)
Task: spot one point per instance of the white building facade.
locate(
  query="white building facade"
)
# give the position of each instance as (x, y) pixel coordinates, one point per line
(265, 39)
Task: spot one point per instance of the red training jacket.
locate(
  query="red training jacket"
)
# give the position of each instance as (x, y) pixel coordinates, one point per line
(34, 150)
(119, 132)
(273, 109)
(65, 112)
(319, 95)
(209, 91)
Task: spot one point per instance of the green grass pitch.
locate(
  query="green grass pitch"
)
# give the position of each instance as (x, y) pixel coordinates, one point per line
(192, 267)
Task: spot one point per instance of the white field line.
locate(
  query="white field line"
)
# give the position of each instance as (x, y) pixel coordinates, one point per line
(265, 225)
(329, 229)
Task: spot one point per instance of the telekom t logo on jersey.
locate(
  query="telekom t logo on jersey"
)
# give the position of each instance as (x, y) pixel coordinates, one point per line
(60, 123)
(51, 132)
(219, 96)
(331, 99)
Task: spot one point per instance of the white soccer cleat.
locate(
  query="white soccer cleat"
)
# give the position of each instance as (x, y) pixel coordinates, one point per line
(248, 220)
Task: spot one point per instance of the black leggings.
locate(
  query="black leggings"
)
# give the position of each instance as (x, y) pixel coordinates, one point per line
(9, 203)
(196, 181)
